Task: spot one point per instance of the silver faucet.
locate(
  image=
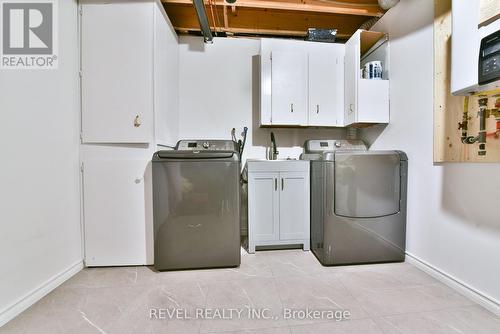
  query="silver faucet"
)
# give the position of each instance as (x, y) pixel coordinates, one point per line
(274, 150)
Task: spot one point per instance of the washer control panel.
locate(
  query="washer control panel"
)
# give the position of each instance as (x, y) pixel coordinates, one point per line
(206, 145)
(319, 146)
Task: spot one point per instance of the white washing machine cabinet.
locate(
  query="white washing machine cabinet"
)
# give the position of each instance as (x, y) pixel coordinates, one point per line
(358, 202)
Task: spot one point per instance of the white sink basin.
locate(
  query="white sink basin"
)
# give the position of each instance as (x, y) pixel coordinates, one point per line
(262, 165)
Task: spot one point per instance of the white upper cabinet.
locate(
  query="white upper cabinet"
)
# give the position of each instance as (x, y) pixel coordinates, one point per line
(326, 93)
(301, 83)
(289, 88)
(351, 75)
(366, 100)
(127, 49)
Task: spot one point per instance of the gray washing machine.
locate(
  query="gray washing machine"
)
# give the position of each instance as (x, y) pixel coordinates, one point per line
(196, 205)
(358, 202)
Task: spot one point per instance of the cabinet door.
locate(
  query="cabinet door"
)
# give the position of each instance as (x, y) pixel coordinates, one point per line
(263, 211)
(294, 206)
(351, 77)
(326, 105)
(289, 88)
(115, 212)
(117, 56)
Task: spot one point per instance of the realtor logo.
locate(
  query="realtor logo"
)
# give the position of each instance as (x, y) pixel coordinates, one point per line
(29, 39)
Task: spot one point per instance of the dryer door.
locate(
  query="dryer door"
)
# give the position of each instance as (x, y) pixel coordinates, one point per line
(367, 184)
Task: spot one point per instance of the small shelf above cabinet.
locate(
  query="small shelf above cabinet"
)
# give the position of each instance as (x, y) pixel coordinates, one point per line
(366, 100)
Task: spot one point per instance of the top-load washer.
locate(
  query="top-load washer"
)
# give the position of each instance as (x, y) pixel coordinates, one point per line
(358, 202)
(196, 205)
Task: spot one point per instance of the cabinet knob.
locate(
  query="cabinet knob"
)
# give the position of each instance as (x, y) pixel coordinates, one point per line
(137, 121)
(138, 179)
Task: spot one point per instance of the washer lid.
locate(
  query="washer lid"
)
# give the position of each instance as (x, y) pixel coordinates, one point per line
(200, 155)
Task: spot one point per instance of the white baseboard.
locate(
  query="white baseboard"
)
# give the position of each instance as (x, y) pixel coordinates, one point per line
(485, 301)
(10, 312)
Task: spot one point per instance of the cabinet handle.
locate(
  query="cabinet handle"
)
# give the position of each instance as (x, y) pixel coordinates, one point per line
(317, 109)
(351, 107)
(275, 184)
(137, 121)
(291, 107)
(282, 183)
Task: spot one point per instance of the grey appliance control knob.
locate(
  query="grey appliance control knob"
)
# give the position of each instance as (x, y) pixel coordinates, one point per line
(338, 144)
(206, 144)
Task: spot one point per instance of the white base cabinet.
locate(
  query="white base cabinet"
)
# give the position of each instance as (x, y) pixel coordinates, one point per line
(278, 203)
(116, 203)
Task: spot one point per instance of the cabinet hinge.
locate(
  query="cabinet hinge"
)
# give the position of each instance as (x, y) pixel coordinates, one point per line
(81, 167)
(80, 11)
(80, 74)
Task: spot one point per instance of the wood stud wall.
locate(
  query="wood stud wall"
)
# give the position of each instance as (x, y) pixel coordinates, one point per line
(448, 109)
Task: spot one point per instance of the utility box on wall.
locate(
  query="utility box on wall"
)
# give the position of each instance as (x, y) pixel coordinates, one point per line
(467, 32)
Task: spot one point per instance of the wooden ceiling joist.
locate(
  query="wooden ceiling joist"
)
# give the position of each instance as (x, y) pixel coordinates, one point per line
(276, 17)
(365, 8)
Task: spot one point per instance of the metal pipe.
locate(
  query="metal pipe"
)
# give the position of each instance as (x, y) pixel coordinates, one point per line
(199, 6)
(483, 105)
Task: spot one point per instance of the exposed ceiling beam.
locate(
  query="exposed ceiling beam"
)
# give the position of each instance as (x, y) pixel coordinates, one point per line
(271, 32)
(265, 21)
(367, 8)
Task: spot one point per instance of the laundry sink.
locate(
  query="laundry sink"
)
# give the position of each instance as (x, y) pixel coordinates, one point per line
(280, 165)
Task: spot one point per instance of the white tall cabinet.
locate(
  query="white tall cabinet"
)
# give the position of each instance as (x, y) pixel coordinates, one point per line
(129, 80)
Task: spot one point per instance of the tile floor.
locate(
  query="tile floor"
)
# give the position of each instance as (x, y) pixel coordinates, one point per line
(383, 298)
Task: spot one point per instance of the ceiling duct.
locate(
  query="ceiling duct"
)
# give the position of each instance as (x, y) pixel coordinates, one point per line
(387, 4)
(199, 6)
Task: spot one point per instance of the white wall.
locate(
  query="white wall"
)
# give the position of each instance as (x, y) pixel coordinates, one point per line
(39, 193)
(453, 209)
(219, 91)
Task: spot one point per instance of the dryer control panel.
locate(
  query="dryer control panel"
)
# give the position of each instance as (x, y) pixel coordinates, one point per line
(313, 146)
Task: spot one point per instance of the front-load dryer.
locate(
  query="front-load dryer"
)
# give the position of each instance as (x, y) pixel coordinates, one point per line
(358, 202)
